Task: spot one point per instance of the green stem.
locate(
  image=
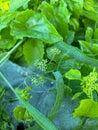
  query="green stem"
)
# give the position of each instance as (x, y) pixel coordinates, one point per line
(10, 52)
(59, 96)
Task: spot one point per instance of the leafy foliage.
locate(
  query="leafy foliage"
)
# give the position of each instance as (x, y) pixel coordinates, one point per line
(88, 110)
(49, 64)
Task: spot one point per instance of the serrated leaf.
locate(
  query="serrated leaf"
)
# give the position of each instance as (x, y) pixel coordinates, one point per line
(73, 74)
(87, 108)
(33, 49)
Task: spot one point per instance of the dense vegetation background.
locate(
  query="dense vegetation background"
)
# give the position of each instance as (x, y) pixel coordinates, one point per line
(48, 64)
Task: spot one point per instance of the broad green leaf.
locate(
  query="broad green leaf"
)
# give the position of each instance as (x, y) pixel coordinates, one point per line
(87, 108)
(34, 25)
(15, 4)
(59, 96)
(20, 113)
(33, 49)
(5, 18)
(73, 74)
(44, 122)
(6, 40)
(57, 14)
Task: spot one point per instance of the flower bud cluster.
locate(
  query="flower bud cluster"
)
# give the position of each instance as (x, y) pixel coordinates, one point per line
(25, 93)
(42, 65)
(89, 83)
(38, 80)
(55, 51)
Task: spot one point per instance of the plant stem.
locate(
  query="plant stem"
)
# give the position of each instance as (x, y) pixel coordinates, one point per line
(10, 52)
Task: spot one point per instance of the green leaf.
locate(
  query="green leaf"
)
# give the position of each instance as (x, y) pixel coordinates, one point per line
(75, 6)
(31, 25)
(70, 37)
(89, 48)
(89, 5)
(73, 74)
(47, 10)
(15, 4)
(5, 18)
(95, 95)
(87, 108)
(89, 34)
(6, 40)
(20, 113)
(90, 15)
(61, 13)
(33, 49)
(74, 22)
(57, 14)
